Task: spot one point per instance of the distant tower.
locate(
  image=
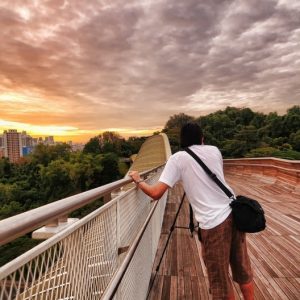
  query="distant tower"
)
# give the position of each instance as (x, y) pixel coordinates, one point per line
(2, 152)
(26, 139)
(27, 143)
(49, 140)
(12, 145)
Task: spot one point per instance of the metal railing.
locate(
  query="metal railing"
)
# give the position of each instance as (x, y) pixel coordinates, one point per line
(80, 261)
(14, 227)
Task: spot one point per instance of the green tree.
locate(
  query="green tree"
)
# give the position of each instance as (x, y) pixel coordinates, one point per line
(295, 140)
(5, 168)
(86, 171)
(246, 115)
(44, 154)
(234, 148)
(294, 110)
(135, 143)
(275, 125)
(177, 121)
(110, 170)
(173, 127)
(218, 125)
(291, 121)
(112, 142)
(56, 180)
(10, 209)
(249, 136)
(92, 146)
(258, 120)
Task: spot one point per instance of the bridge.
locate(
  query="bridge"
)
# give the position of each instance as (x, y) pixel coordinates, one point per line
(113, 252)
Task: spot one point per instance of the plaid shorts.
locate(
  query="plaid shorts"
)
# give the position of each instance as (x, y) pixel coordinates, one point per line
(222, 246)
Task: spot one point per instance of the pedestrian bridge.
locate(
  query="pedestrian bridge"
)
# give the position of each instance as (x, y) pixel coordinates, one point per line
(113, 252)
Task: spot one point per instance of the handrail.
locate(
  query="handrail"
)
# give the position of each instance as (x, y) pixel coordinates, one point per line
(115, 282)
(16, 226)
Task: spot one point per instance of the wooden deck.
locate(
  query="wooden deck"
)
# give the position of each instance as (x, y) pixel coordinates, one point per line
(275, 253)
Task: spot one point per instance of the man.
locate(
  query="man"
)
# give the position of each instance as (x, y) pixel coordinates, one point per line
(222, 244)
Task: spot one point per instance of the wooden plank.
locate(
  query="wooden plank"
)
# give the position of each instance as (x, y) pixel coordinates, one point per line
(179, 254)
(187, 287)
(156, 291)
(166, 287)
(289, 289)
(261, 289)
(173, 288)
(237, 292)
(257, 293)
(174, 258)
(180, 288)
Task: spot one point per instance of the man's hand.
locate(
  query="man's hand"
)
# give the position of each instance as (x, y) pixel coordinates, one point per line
(135, 176)
(155, 191)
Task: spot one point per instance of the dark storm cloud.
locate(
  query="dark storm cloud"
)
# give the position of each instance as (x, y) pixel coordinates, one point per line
(101, 64)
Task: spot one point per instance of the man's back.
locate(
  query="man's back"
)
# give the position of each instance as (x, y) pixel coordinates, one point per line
(210, 204)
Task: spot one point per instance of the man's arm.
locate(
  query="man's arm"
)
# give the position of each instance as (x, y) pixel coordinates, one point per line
(155, 191)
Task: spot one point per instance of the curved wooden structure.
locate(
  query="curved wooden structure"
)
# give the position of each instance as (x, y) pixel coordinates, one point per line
(275, 252)
(154, 152)
(286, 170)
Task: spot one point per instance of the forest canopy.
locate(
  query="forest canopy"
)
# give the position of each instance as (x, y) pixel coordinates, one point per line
(241, 132)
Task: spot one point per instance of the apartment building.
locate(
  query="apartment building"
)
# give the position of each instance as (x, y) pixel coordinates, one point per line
(12, 145)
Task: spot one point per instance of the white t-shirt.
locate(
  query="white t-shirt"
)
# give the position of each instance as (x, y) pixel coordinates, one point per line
(210, 204)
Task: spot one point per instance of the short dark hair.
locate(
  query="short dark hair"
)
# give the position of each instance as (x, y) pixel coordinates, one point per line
(190, 134)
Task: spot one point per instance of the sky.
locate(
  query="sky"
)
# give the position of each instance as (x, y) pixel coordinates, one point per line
(74, 69)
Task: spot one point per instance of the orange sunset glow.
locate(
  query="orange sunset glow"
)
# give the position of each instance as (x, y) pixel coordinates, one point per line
(73, 69)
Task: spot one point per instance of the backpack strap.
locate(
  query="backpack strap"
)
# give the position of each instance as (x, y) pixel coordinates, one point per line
(212, 175)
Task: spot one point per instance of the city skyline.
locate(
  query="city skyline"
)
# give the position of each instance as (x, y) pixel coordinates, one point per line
(16, 144)
(76, 69)
(46, 139)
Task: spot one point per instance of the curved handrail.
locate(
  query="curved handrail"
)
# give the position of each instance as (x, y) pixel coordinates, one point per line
(16, 226)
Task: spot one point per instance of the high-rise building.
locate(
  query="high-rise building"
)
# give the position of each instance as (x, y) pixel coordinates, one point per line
(34, 141)
(12, 145)
(27, 140)
(49, 140)
(2, 152)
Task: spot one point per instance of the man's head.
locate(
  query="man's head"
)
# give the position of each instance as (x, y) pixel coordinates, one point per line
(191, 134)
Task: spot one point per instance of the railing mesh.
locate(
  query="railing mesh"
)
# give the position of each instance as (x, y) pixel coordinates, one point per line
(80, 262)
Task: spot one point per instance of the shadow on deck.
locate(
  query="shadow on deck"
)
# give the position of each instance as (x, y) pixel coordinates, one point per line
(275, 252)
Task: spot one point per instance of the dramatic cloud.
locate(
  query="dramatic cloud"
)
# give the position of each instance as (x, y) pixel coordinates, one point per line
(93, 65)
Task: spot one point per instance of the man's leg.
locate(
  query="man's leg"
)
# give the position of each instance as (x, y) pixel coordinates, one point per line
(216, 243)
(240, 264)
(248, 290)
